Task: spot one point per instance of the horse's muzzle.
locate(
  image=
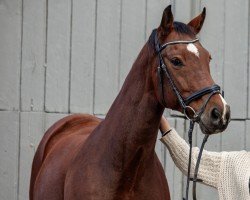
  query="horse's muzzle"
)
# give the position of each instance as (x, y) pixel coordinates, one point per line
(216, 121)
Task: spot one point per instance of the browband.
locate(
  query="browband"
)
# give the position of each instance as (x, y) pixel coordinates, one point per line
(177, 42)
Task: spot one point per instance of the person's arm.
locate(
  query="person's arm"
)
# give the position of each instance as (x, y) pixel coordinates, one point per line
(179, 150)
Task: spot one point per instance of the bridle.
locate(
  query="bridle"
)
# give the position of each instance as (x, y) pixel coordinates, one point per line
(184, 102)
(196, 116)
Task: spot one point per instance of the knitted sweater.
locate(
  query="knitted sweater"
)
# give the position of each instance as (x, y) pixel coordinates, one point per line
(228, 172)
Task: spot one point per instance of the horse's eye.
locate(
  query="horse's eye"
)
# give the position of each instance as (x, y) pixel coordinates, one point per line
(177, 62)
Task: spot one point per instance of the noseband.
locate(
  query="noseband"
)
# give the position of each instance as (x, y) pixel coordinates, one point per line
(184, 103)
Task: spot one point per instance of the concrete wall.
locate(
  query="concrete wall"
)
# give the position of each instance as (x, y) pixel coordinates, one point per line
(57, 57)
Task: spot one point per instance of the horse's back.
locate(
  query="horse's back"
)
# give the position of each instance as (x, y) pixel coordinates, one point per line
(66, 135)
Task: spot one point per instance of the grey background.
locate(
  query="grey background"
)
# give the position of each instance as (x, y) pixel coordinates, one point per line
(66, 56)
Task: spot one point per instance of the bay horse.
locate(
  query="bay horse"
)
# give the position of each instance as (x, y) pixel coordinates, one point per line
(83, 157)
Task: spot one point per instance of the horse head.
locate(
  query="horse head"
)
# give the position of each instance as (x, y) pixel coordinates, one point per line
(181, 73)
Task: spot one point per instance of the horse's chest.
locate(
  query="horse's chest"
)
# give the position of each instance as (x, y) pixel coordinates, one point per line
(148, 187)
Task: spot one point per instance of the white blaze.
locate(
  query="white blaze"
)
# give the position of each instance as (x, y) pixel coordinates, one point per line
(192, 48)
(224, 108)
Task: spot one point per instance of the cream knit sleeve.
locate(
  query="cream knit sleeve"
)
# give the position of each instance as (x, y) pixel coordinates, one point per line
(179, 150)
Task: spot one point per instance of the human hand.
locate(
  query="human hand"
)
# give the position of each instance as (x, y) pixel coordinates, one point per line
(164, 125)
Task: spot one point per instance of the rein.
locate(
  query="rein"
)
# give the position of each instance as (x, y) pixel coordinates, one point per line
(184, 102)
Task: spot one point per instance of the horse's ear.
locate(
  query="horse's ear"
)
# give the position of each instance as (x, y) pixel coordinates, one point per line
(167, 21)
(198, 21)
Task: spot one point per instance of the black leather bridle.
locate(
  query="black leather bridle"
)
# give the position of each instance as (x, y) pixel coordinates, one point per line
(184, 102)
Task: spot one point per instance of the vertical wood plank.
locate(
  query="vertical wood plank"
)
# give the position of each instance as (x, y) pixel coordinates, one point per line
(9, 143)
(205, 192)
(58, 59)
(155, 10)
(248, 71)
(180, 14)
(212, 37)
(236, 46)
(83, 55)
(107, 54)
(132, 34)
(32, 130)
(233, 139)
(248, 100)
(247, 135)
(33, 55)
(10, 51)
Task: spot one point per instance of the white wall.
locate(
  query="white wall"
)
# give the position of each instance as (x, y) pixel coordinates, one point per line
(57, 57)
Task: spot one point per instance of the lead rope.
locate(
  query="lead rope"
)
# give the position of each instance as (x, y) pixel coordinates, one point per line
(194, 179)
(190, 134)
(197, 166)
(190, 131)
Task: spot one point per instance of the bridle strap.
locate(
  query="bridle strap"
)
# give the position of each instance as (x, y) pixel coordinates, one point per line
(161, 78)
(202, 109)
(162, 68)
(178, 42)
(202, 92)
(195, 180)
(190, 131)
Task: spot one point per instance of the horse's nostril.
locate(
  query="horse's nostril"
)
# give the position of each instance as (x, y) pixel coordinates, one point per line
(216, 115)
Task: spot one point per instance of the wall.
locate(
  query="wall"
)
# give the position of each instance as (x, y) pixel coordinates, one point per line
(57, 57)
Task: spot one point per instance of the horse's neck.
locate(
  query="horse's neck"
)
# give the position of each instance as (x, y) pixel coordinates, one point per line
(133, 119)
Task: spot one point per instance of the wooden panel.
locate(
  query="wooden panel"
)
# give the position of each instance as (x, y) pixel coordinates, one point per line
(33, 55)
(107, 54)
(32, 130)
(212, 37)
(132, 34)
(83, 55)
(248, 104)
(180, 14)
(205, 192)
(236, 46)
(155, 10)
(58, 50)
(247, 135)
(10, 51)
(9, 143)
(233, 139)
